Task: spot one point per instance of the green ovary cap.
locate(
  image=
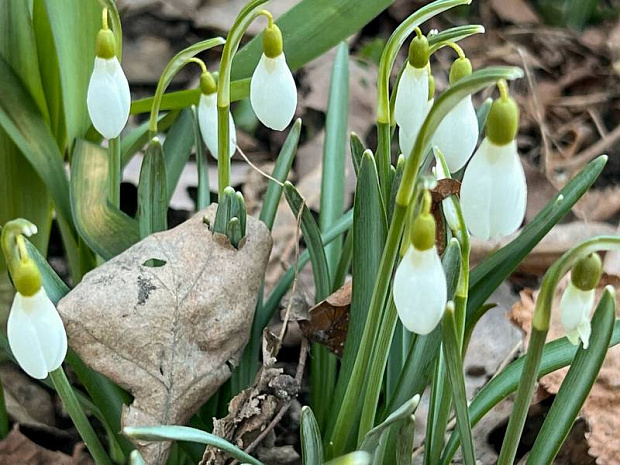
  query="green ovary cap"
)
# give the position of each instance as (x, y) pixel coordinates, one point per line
(460, 68)
(207, 84)
(106, 44)
(27, 278)
(503, 121)
(272, 41)
(587, 272)
(418, 52)
(423, 232)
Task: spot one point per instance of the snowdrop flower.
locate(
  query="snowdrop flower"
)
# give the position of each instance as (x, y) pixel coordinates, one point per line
(35, 331)
(108, 98)
(207, 117)
(457, 134)
(412, 94)
(578, 299)
(493, 191)
(273, 93)
(420, 291)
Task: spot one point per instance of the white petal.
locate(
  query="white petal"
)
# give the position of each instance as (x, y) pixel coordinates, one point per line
(493, 191)
(410, 107)
(406, 138)
(447, 205)
(273, 93)
(420, 291)
(36, 334)
(108, 97)
(457, 134)
(575, 307)
(207, 120)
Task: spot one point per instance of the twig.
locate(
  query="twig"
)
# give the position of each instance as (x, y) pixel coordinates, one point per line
(593, 151)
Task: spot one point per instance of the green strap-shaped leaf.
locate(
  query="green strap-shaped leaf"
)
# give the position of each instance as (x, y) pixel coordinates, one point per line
(402, 413)
(280, 173)
(334, 152)
(556, 354)
(139, 137)
(21, 118)
(152, 201)
(357, 150)
(106, 230)
(177, 149)
(493, 270)
(312, 236)
(311, 443)
(577, 384)
(354, 458)
(184, 433)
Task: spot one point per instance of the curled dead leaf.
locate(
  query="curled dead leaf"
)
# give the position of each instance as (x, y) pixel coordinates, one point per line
(166, 318)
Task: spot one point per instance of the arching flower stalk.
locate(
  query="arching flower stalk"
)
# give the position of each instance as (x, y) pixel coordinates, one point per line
(420, 291)
(494, 191)
(108, 98)
(273, 93)
(578, 299)
(412, 94)
(35, 331)
(207, 115)
(457, 134)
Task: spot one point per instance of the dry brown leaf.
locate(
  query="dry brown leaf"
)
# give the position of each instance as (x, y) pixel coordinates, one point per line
(27, 402)
(598, 204)
(17, 449)
(515, 11)
(169, 333)
(253, 408)
(602, 407)
(328, 321)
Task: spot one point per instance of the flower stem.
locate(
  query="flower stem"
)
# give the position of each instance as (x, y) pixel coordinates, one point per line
(223, 159)
(71, 403)
(4, 418)
(384, 156)
(114, 171)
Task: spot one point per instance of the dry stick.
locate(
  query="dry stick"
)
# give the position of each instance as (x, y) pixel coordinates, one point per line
(593, 151)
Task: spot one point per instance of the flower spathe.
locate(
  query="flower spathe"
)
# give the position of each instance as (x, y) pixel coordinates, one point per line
(273, 92)
(494, 191)
(207, 120)
(420, 291)
(575, 306)
(108, 98)
(36, 334)
(457, 134)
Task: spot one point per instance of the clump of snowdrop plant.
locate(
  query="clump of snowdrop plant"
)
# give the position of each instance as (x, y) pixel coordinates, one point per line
(578, 299)
(420, 283)
(494, 192)
(273, 92)
(108, 99)
(35, 331)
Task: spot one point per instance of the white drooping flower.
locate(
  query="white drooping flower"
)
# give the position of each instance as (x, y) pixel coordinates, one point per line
(273, 93)
(576, 306)
(108, 98)
(207, 120)
(420, 290)
(411, 105)
(494, 191)
(457, 134)
(578, 299)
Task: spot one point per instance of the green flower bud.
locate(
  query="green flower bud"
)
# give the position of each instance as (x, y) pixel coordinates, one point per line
(418, 52)
(503, 121)
(207, 84)
(431, 86)
(272, 41)
(460, 68)
(105, 44)
(587, 272)
(27, 278)
(423, 232)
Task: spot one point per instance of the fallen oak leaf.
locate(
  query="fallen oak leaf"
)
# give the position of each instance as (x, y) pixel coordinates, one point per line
(328, 321)
(442, 190)
(166, 318)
